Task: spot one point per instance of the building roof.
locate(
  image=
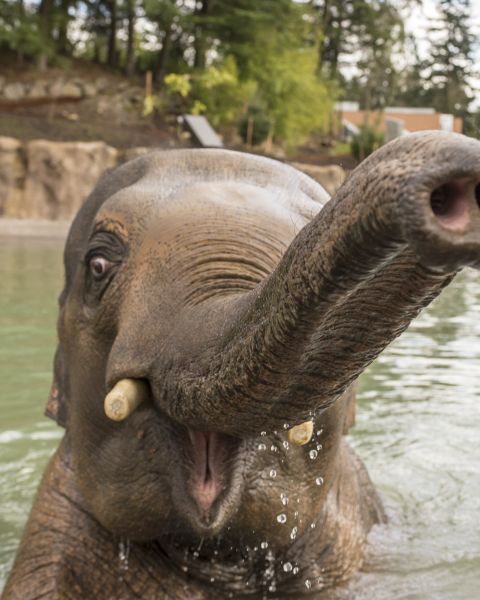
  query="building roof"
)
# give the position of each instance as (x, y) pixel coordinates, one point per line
(413, 119)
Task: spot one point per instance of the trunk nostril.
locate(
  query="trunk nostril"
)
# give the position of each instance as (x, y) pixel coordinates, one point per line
(443, 200)
(450, 202)
(477, 194)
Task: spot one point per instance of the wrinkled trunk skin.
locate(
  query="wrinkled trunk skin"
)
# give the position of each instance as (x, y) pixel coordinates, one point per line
(352, 280)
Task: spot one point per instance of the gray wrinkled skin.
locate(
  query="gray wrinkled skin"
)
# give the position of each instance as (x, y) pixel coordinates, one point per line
(248, 308)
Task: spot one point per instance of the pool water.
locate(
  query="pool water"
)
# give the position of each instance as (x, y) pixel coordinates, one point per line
(418, 430)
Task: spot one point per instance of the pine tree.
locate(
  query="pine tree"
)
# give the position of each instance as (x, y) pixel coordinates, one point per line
(451, 57)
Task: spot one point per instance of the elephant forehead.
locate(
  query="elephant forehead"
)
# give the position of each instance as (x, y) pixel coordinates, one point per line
(221, 204)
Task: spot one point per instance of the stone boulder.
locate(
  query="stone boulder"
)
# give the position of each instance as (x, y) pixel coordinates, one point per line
(12, 173)
(13, 92)
(39, 90)
(65, 89)
(330, 177)
(60, 175)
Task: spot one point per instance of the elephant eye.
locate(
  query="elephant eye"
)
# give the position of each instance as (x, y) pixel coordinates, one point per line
(99, 267)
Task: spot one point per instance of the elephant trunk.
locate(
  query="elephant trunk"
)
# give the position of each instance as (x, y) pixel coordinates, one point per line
(351, 281)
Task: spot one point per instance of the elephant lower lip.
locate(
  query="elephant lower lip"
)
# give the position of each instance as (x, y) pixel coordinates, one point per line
(208, 468)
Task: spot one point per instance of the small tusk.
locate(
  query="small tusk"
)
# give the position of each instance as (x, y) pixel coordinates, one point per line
(124, 398)
(301, 434)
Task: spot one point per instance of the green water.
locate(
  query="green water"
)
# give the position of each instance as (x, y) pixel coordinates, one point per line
(418, 430)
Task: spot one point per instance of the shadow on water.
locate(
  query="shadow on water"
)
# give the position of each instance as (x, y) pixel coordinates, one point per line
(418, 426)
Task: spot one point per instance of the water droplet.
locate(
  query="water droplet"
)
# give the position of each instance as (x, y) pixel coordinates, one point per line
(308, 584)
(272, 587)
(263, 433)
(313, 525)
(212, 579)
(319, 447)
(282, 518)
(313, 454)
(273, 473)
(295, 514)
(196, 554)
(284, 499)
(123, 554)
(273, 448)
(185, 568)
(320, 431)
(264, 545)
(295, 570)
(293, 533)
(287, 567)
(286, 445)
(319, 481)
(262, 447)
(286, 425)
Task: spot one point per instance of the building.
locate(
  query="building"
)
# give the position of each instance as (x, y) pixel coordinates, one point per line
(394, 120)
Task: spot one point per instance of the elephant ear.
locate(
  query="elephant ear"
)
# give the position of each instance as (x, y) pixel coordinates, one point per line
(57, 403)
(351, 405)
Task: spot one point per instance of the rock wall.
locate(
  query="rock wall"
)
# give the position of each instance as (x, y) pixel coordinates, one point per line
(49, 180)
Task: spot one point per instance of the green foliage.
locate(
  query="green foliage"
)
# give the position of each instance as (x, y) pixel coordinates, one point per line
(365, 142)
(295, 99)
(20, 31)
(216, 92)
(176, 83)
(254, 124)
(222, 93)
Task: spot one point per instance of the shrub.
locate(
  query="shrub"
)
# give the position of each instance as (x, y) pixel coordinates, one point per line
(367, 140)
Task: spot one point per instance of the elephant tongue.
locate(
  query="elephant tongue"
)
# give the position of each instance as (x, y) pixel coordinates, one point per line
(208, 458)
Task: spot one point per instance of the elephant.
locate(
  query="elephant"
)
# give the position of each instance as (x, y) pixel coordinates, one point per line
(217, 311)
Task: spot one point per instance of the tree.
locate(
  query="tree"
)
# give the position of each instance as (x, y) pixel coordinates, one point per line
(451, 57)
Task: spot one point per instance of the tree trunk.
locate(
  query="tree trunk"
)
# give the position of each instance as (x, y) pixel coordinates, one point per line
(45, 12)
(200, 35)
(164, 53)
(62, 38)
(130, 62)
(112, 34)
(350, 282)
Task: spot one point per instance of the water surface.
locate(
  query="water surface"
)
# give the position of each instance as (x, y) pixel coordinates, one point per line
(418, 430)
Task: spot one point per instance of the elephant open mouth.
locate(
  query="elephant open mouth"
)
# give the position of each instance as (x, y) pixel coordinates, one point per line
(211, 471)
(208, 467)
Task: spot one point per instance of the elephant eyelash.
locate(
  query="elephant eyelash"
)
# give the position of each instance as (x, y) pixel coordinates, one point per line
(106, 245)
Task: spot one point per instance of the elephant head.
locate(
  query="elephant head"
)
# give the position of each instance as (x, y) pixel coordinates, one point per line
(243, 304)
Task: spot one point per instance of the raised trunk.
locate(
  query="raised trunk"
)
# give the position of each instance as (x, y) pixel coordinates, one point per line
(352, 280)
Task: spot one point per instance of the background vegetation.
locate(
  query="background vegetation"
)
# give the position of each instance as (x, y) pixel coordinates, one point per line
(275, 64)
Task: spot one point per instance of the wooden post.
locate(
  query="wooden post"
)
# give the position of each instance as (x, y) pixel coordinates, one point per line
(148, 84)
(250, 131)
